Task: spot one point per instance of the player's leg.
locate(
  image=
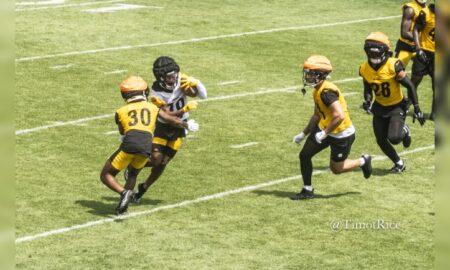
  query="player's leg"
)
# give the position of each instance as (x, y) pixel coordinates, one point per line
(117, 162)
(339, 162)
(309, 150)
(161, 156)
(380, 128)
(398, 132)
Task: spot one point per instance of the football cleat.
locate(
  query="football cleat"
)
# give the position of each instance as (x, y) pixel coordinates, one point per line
(398, 168)
(303, 195)
(367, 167)
(407, 139)
(138, 195)
(125, 198)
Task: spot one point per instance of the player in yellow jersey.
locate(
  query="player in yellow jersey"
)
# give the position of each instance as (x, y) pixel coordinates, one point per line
(382, 76)
(170, 91)
(330, 125)
(136, 123)
(423, 63)
(405, 48)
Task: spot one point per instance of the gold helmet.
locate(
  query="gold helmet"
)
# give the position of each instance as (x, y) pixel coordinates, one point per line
(377, 47)
(316, 69)
(134, 87)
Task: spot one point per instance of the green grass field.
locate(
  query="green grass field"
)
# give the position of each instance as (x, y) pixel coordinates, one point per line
(69, 63)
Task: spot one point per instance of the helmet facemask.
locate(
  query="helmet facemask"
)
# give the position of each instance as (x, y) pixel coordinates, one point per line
(313, 77)
(171, 81)
(377, 53)
(166, 72)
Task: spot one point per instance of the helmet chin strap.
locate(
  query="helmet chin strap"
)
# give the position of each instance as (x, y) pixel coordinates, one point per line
(135, 98)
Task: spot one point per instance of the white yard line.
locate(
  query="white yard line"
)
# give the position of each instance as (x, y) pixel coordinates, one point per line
(61, 66)
(112, 132)
(228, 83)
(262, 92)
(118, 7)
(201, 39)
(115, 72)
(236, 146)
(70, 5)
(183, 203)
(40, 3)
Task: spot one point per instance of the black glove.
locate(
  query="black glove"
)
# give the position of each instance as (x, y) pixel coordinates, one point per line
(418, 114)
(422, 56)
(366, 106)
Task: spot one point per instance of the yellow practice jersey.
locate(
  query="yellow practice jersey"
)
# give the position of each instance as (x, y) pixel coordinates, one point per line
(139, 116)
(324, 111)
(383, 82)
(417, 8)
(426, 35)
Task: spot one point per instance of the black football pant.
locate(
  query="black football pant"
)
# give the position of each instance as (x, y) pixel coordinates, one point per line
(388, 131)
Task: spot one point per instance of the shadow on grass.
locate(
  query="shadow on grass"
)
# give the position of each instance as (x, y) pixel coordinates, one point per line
(105, 209)
(287, 194)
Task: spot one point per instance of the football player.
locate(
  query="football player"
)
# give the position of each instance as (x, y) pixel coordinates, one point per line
(170, 92)
(405, 48)
(423, 63)
(329, 126)
(136, 123)
(382, 76)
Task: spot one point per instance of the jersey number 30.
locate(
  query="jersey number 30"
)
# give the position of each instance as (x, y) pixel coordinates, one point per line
(144, 117)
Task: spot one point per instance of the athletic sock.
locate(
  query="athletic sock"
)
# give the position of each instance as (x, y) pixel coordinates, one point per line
(400, 162)
(308, 188)
(362, 161)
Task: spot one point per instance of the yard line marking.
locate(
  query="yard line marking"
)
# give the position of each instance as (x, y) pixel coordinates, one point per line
(59, 124)
(185, 203)
(70, 5)
(61, 66)
(228, 82)
(115, 72)
(243, 145)
(117, 7)
(262, 92)
(111, 132)
(201, 39)
(39, 3)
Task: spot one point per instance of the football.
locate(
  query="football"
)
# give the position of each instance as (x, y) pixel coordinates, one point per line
(190, 91)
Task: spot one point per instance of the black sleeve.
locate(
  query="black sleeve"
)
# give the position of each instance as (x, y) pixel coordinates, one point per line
(398, 66)
(412, 94)
(329, 96)
(367, 92)
(116, 117)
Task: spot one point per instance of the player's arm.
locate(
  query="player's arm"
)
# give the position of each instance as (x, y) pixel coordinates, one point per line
(407, 20)
(171, 119)
(193, 87)
(418, 26)
(403, 79)
(119, 126)
(313, 121)
(331, 100)
(367, 96)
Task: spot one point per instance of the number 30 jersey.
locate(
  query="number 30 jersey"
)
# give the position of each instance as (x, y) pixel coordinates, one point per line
(383, 81)
(137, 120)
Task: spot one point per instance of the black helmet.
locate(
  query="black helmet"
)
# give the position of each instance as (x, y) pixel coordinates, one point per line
(163, 66)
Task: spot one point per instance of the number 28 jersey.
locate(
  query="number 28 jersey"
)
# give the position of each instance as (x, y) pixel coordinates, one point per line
(382, 81)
